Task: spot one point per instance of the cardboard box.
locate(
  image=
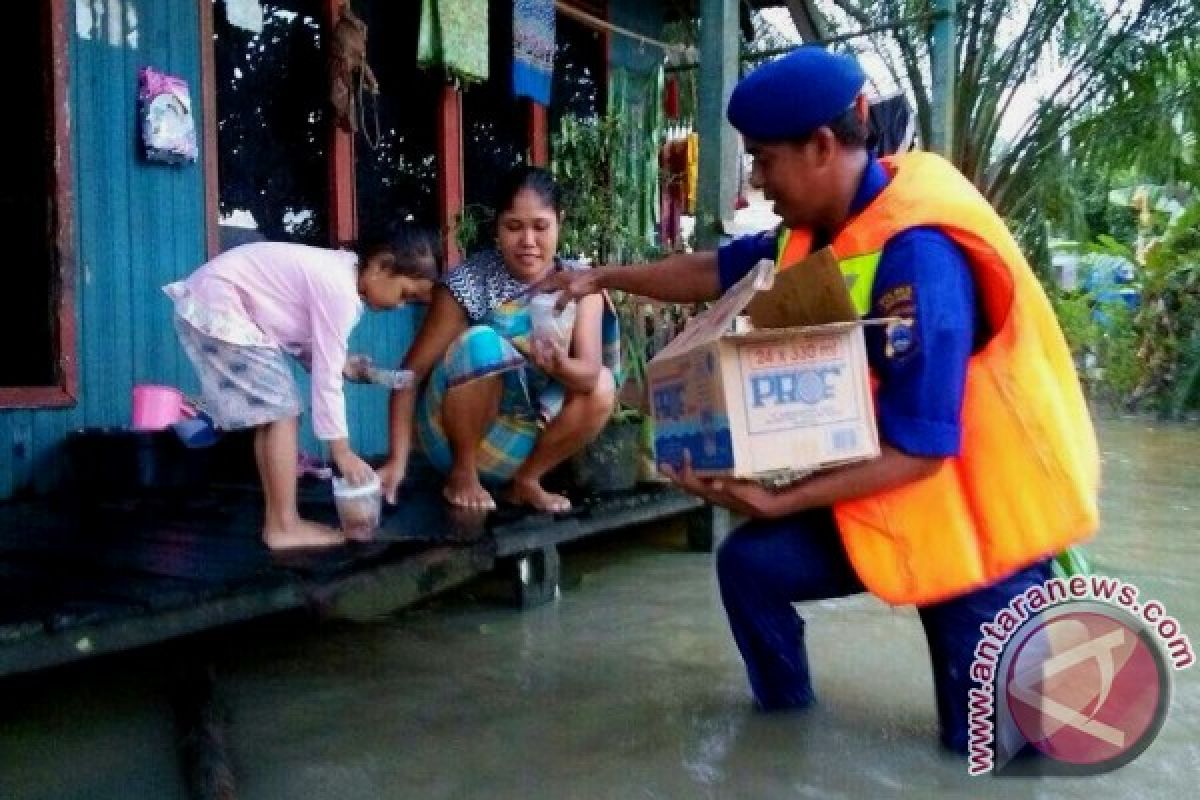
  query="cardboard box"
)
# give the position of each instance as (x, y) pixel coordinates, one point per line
(790, 396)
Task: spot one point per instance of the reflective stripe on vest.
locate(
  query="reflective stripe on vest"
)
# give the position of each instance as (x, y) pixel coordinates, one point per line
(859, 271)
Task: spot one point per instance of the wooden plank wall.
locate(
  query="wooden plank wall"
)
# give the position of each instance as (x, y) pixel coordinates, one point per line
(138, 226)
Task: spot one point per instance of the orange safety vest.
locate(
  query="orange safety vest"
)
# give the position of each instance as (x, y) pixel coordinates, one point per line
(1026, 482)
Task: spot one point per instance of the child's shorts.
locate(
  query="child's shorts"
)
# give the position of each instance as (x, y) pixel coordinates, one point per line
(244, 386)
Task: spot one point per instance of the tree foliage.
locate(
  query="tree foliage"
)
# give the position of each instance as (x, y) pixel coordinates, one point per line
(1080, 62)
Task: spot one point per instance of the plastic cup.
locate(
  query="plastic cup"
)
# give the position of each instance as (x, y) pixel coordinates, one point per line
(359, 508)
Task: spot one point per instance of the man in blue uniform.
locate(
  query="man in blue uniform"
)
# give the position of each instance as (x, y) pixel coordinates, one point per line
(803, 118)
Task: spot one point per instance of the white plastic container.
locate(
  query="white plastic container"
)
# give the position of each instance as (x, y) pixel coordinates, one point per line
(549, 324)
(359, 508)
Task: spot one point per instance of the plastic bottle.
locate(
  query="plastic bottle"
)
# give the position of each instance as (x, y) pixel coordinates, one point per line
(391, 378)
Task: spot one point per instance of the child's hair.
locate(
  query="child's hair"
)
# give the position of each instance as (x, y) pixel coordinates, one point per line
(535, 179)
(402, 249)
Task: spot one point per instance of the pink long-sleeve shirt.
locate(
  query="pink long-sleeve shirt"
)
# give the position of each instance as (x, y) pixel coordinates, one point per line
(302, 299)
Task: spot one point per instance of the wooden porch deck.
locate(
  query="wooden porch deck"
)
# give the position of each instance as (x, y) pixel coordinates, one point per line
(80, 580)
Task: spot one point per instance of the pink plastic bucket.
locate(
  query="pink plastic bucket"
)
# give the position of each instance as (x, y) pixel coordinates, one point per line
(156, 408)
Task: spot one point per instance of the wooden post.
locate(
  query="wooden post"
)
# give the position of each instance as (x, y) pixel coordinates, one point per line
(208, 99)
(708, 527)
(534, 576)
(450, 169)
(343, 203)
(719, 48)
(942, 67)
(202, 726)
(343, 211)
(539, 135)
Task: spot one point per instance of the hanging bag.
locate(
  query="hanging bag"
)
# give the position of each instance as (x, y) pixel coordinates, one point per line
(168, 128)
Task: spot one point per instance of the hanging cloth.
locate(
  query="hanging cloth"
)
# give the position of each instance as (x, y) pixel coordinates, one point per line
(693, 170)
(533, 49)
(454, 36)
(671, 98)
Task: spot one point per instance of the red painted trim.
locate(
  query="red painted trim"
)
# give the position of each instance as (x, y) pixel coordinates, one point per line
(55, 32)
(450, 173)
(37, 397)
(539, 135)
(208, 94)
(343, 205)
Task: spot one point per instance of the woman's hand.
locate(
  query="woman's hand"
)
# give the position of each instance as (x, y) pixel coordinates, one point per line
(391, 475)
(356, 368)
(352, 468)
(550, 356)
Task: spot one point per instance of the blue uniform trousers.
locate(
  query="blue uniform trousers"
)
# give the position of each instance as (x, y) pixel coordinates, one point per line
(767, 565)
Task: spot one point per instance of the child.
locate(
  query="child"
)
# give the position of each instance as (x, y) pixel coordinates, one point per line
(242, 313)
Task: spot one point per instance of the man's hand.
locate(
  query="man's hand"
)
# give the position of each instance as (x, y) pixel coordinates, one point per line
(744, 497)
(353, 469)
(571, 285)
(391, 475)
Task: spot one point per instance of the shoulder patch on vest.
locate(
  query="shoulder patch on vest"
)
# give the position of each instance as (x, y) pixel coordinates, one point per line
(900, 340)
(898, 301)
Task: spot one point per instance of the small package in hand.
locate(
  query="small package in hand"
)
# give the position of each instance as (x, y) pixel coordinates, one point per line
(548, 323)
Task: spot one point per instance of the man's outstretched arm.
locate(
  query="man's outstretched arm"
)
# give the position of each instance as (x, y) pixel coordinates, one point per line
(680, 278)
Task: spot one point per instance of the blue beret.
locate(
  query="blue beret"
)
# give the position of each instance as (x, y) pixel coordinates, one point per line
(794, 95)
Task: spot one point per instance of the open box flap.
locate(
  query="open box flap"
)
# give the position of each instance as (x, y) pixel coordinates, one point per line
(812, 292)
(808, 298)
(718, 319)
(807, 330)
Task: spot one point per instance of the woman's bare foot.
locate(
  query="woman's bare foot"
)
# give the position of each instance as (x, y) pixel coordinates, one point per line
(463, 489)
(531, 493)
(301, 535)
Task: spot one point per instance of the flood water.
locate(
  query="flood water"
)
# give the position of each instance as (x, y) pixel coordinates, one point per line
(628, 687)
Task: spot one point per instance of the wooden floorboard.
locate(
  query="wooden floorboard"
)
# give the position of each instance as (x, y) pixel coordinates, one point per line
(81, 580)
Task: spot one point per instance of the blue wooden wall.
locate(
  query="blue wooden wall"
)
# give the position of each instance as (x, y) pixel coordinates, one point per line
(137, 226)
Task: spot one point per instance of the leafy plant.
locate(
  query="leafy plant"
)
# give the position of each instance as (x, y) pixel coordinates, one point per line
(591, 158)
(472, 228)
(599, 195)
(1148, 357)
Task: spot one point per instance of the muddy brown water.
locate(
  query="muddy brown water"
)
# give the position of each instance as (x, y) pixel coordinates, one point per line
(627, 687)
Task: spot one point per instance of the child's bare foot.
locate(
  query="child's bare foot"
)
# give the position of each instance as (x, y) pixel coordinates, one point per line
(530, 493)
(463, 489)
(301, 535)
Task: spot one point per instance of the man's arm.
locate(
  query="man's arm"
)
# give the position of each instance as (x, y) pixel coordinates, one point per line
(893, 468)
(680, 278)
